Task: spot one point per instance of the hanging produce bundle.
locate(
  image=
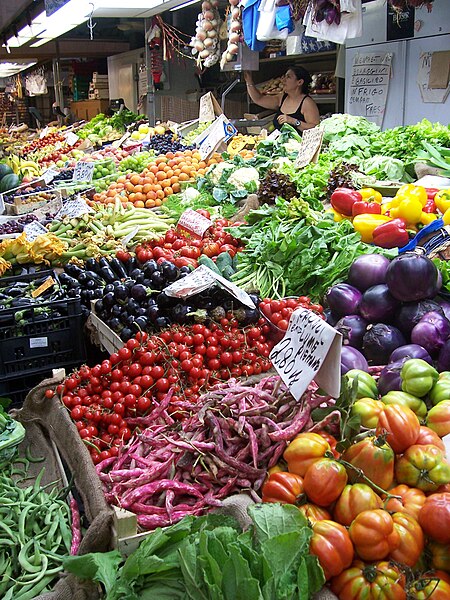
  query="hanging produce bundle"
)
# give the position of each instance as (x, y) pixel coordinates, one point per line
(234, 33)
(205, 44)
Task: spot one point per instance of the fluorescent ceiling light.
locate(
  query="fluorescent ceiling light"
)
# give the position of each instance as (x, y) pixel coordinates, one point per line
(130, 4)
(63, 20)
(184, 5)
(7, 69)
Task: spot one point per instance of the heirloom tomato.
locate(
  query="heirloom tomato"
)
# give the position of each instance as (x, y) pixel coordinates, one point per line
(373, 534)
(375, 458)
(428, 436)
(331, 440)
(333, 547)
(429, 586)
(368, 411)
(353, 500)
(324, 481)
(314, 513)
(434, 517)
(423, 467)
(380, 581)
(438, 418)
(284, 488)
(440, 555)
(305, 450)
(401, 426)
(412, 541)
(410, 502)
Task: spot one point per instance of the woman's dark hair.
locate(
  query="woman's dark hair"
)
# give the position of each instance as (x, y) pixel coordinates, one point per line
(302, 73)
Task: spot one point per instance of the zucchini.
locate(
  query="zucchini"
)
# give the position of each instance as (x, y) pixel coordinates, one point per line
(224, 260)
(207, 262)
(228, 272)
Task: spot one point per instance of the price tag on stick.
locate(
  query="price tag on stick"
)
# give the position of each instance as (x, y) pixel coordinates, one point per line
(310, 147)
(83, 171)
(311, 349)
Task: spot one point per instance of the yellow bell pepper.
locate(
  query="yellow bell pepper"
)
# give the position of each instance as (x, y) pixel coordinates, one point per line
(365, 225)
(446, 217)
(371, 195)
(427, 218)
(409, 209)
(337, 217)
(442, 200)
(385, 207)
(411, 191)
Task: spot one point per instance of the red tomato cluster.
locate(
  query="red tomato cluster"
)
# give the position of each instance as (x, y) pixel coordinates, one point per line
(184, 251)
(188, 360)
(51, 138)
(278, 312)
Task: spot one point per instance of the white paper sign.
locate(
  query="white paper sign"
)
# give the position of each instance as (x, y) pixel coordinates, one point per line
(437, 95)
(311, 349)
(118, 143)
(199, 280)
(40, 342)
(219, 131)
(194, 223)
(43, 133)
(33, 230)
(83, 171)
(71, 138)
(49, 175)
(369, 85)
(73, 209)
(310, 147)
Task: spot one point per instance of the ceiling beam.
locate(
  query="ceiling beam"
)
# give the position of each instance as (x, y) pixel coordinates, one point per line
(67, 49)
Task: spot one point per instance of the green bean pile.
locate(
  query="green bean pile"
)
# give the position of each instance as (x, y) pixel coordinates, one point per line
(35, 533)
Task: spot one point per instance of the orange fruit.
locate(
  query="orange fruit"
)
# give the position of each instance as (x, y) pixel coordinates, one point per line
(149, 203)
(139, 204)
(168, 191)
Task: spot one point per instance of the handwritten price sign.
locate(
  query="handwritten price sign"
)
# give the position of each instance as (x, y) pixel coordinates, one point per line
(83, 171)
(310, 147)
(311, 349)
(194, 223)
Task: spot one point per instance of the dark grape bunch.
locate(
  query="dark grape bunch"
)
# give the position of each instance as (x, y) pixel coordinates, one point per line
(64, 175)
(9, 198)
(17, 225)
(166, 143)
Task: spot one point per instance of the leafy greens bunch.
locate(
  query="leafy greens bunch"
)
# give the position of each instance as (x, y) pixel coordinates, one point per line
(209, 558)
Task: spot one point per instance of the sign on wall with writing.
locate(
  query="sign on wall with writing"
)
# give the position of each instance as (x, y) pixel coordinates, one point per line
(369, 85)
(51, 6)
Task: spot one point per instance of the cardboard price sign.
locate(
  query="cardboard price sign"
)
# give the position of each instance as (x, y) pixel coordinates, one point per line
(217, 133)
(34, 230)
(311, 349)
(194, 223)
(199, 280)
(310, 148)
(71, 138)
(83, 171)
(48, 283)
(209, 108)
(49, 175)
(73, 209)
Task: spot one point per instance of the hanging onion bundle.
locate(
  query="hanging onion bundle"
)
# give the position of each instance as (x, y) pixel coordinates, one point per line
(234, 33)
(205, 44)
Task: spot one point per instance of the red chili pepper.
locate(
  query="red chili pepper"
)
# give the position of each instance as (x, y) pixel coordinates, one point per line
(430, 206)
(342, 200)
(391, 235)
(366, 208)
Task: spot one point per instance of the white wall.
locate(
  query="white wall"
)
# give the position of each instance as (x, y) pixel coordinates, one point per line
(122, 77)
(404, 103)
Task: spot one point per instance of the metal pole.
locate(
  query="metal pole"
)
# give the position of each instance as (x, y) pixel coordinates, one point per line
(59, 97)
(151, 108)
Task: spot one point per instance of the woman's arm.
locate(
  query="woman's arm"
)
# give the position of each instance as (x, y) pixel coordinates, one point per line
(270, 102)
(311, 114)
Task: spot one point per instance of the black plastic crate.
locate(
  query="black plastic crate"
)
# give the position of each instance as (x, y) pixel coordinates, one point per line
(17, 389)
(32, 341)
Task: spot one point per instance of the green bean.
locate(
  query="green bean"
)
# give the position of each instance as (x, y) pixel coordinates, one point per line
(24, 561)
(22, 517)
(31, 458)
(8, 530)
(66, 533)
(41, 573)
(36, 589)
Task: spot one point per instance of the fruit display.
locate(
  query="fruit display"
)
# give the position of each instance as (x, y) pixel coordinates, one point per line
(136, 163)
(16, 225)
(190, 137)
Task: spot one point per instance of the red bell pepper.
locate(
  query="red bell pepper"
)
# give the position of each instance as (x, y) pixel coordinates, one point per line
(342, 200)
(430, 207)
(431, 192)
(391, 235)
(366, 208)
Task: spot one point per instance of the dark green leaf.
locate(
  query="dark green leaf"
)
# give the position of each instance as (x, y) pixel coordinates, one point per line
(98, 566)
(271, 520)
(220, 194)
(237, 582)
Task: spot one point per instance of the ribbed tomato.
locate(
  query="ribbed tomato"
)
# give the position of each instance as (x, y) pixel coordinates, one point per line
(440, 555)
(434, 517)
(333, 547)
(375, 458)
(423, 467)
(281, 487)
(401, 426)
(314, 513)
(438, 418)
(429, 587)
(324, 481)
(373, 535)
(331, 440)
(305, 450)
(428, 436)
(353, 500)
(380, 581)
(411, 501)
(412, 540)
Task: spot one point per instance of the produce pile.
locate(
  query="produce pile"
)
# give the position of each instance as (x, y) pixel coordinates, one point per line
(189, 270)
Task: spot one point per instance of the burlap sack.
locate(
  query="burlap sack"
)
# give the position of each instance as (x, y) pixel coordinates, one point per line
(423, 169)
(46, 421)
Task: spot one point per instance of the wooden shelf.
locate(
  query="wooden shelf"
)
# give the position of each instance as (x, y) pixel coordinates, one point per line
(296, 57)
(324, 98)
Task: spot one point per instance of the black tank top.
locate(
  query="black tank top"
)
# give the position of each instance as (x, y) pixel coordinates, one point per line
(297, 114)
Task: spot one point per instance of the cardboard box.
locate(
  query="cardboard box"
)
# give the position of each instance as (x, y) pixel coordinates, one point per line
(85, 110)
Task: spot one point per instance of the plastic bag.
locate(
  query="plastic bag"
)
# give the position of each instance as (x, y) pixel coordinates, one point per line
(283, 19)
(267, 28)
(349, 27)
(294, 41)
